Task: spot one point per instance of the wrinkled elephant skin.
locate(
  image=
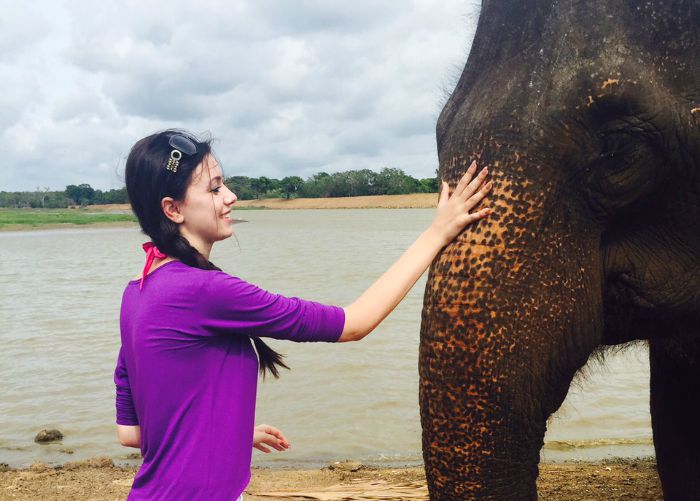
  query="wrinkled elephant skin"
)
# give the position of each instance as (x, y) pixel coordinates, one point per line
(588, 116)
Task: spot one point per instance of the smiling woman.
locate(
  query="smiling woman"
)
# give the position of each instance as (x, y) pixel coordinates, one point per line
(186, 371)
(206, 205)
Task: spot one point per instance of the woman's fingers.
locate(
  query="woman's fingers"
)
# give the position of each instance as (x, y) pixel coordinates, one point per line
(444, 194)
(474, 185)
(475, 216)
(468, 184)
(452, 214)
(278, 443)
(271, 441)
(269, 436)
(466, 178)
(278, 434)
(477, 197)
(266, 428)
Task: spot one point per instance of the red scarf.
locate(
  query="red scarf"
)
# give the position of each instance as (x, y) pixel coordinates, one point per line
(152, 253)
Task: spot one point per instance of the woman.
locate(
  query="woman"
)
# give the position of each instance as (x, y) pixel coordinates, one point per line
(186, 373)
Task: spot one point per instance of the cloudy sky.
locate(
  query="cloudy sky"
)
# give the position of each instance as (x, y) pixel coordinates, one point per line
(287, 87)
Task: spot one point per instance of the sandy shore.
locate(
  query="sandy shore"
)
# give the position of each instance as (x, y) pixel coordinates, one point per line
(98, 479)
(411, 201)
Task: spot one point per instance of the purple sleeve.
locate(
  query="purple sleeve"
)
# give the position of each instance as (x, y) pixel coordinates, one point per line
(235, 306)
(126, 413)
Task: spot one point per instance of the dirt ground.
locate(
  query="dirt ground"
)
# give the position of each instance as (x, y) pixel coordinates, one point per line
(411, 201)
(98, 479)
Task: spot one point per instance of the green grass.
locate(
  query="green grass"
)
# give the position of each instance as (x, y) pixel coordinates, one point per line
(33, 218)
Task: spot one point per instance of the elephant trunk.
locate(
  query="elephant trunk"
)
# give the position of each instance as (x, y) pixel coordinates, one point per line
(512, 309)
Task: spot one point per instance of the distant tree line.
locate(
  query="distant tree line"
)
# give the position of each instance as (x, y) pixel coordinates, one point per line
(353, 183)
(388, 181)
(82, 194)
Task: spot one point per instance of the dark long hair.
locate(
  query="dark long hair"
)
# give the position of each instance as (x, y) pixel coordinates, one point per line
(148, 182)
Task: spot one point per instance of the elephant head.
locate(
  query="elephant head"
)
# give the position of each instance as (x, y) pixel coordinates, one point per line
(588, 116)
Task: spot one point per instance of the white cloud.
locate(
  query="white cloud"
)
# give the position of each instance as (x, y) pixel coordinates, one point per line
(287, 87)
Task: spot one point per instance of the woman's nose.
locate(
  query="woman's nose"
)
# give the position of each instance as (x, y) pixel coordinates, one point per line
(231, 197)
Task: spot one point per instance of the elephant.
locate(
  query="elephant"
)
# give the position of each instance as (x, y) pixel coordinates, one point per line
(587, 113)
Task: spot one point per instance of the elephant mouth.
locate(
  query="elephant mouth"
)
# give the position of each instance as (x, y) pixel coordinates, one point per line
(626, 289)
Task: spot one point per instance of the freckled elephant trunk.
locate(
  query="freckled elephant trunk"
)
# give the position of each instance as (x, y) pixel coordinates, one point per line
(509, 290)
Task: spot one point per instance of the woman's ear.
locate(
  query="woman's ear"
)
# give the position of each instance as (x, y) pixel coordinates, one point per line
(171, 209)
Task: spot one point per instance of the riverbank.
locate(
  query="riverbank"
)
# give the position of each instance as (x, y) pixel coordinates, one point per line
(410, 201)
(30, 219)
(99, 479)
(112, 215)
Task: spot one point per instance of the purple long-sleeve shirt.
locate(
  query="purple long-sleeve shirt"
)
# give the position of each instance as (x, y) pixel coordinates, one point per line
(187, 374)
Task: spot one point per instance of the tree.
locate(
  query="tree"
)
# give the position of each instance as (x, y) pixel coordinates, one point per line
(291, 185)
(261, 185)
(391, 181)
(362, 182)
(429, 185)
(43, 194)
(82, 194)
(57, 199)
(240, 185)
(317, 186)
(119, 196)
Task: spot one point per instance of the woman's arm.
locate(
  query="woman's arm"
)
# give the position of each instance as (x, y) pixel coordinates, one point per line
(129, 436)
(452, 215)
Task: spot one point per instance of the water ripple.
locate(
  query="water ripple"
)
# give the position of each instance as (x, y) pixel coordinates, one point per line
(59, 332)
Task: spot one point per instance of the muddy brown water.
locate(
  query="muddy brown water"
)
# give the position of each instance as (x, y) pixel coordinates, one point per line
(59, 336)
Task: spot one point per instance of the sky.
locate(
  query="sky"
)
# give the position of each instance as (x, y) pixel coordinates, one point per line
(285, 87)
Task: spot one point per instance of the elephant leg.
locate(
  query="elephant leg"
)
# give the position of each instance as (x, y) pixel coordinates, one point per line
(675, 415)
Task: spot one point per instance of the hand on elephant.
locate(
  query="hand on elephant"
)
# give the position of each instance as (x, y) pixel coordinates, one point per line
(452, 213)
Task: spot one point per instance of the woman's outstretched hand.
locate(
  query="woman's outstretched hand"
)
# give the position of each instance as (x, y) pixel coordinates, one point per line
(452, 213)
(264, 434)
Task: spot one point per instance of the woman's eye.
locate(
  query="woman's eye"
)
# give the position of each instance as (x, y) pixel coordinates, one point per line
(216, 190)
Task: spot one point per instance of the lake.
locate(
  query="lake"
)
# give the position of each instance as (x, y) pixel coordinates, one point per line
(59, 333)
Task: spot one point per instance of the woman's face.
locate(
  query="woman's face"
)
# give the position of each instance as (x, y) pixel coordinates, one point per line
(206, 207)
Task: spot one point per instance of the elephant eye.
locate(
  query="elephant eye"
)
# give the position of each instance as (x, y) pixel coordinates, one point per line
(618, 150)
(628, 165)
(627, 154)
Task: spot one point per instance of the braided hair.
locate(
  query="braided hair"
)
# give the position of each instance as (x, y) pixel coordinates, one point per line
(148, 182)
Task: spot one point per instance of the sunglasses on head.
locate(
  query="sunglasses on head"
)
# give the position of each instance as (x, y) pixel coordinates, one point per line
(180, 145)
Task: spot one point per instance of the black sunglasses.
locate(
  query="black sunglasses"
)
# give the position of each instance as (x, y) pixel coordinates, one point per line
(181, 144)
